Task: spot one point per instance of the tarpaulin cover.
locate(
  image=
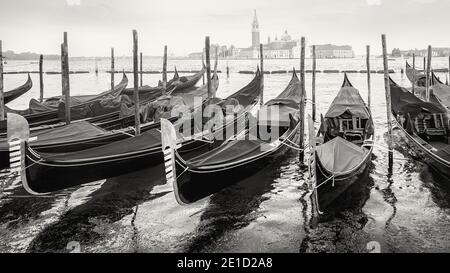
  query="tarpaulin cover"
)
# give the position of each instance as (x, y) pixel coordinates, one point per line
(244, 148)
(148, 140)
(403, 101)
(163, 106)
(442, 92)
(339, 155)
(54, 103)
(348, 99)
(73, 131)
(94, 108)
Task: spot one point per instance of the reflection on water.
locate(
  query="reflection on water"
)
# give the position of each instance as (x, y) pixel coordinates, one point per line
(407, 211)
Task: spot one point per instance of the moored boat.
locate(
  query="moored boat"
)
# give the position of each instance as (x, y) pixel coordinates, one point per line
(239, 156)
(425, 124)
(11, 95)
(42, 173)
(345, 145)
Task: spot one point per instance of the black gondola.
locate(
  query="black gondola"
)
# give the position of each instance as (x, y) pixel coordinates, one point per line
(345, 145)
(425, 124)
(43, 173)
(41, 113)
(9, 96)
(237, 157)
(87, 134)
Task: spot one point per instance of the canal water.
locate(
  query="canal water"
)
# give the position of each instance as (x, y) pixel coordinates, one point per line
(406, 211)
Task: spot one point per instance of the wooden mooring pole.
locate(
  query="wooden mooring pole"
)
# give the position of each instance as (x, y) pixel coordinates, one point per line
(388, 102)
(208, 67)
(164, 74)
(41, 78)
(428, 71)
(302, 103)
(313, 90)
(369, 85)
(2, 96)
(203, 65)
(65, 77)
(112, 68)
(414, 75)
(261, 60)
(137, 120)
(141, 80)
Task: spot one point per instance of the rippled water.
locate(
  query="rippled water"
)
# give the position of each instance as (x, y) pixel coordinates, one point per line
(407, 211)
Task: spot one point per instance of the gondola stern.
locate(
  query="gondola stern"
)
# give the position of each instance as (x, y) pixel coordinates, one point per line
(18, 136)
(169, 147)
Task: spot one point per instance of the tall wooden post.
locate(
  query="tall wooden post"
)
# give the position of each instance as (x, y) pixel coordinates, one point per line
(141, 70)
(261, 59)
(112, 68)
(208, 67)
(164, 74)
(369, 85)
(388, 101)
(203, 63)
(65, 76)
(313, 83)
(41, 78)
(448, 66)
(424, 64)
(228, 71)
(137, 120)
(2, 96)
(428, 71)
(302, 102)
(414, 75)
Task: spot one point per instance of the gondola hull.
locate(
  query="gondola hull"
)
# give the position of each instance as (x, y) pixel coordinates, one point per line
(332, 190)
(42, 179)
(437, 163)
(193, 185)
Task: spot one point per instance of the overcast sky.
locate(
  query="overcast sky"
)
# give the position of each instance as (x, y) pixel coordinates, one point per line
(96, 25)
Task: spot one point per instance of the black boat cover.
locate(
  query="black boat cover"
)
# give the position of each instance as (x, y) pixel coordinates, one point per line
(348, 99)
(148, 140)
(244, 148)
(403, 101)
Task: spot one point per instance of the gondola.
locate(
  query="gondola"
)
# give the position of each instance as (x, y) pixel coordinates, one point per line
(238, 157)
(440, 90)
(9, 96)
(185, 81)
(425, 124)
(87, 134)
(415, 76)
(41, 114)
(345, 145)
(43, 173)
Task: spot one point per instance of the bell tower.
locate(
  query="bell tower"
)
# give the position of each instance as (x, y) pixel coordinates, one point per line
(255, 32)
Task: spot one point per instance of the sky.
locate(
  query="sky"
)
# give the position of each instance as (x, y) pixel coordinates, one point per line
(94, 26)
